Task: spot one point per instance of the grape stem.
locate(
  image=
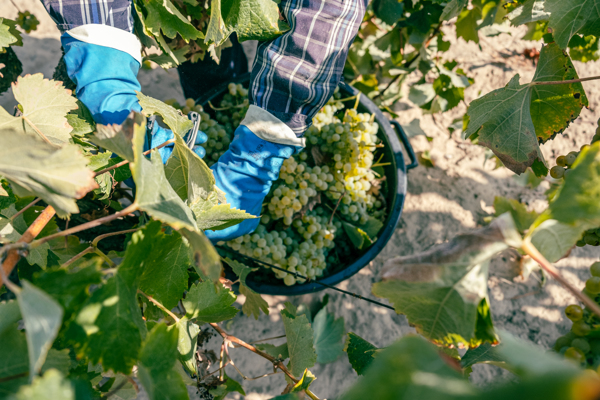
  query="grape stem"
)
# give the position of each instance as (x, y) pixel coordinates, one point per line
(336, 206)
(589, 78)
(25, 209)
(533, 252)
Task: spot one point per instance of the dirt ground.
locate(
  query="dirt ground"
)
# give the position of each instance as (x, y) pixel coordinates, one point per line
(454, 196)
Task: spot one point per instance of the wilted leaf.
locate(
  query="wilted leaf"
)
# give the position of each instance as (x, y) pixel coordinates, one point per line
(250, 19)
(45, 104)
(58, 176)
(329, 336)
(177, 122)
(206, 302)
(360, 352)
(300, 338)
(304, 382)
(568, 17)
(158, 356)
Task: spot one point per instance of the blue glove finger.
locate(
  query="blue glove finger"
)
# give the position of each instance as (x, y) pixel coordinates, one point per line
(201, 137)
(200, 151)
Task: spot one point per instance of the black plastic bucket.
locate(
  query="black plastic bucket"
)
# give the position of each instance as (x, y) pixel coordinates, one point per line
(396, 178)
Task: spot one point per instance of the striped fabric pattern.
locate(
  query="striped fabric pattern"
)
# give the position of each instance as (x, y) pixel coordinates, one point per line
(294, 75)
(69, 14)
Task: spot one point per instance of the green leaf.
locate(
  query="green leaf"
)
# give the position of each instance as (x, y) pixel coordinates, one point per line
(157, 359)
(81, 121)
(119, 138)
(299, 335)
(443, 291)
(220, 217)
(58, 360)
(579, 198)
(165, 275)
(358, 237)
(529, 11)
(523, 218)
(360, 352)
(421, 94)
(45, 104)
(410, 368)
(280, 351)
(568, 17)
(289, 396)
(166, 61)
(389, 11)
(111, 318)
(466, 25)
(230, 386)
(154, 194)
(187, 344)
(329, 336)
(453, 9)
(485, 354)
(162, 15)
(14, 360)
(58, 176)
(556, 239)
(177, 122)
(7, 36)
(251, 19)
(554, 107)
(205, 259)
(51, 386)
(9, 314)
(42, 317)
(304, 382)
(206, 302)
(254, 302)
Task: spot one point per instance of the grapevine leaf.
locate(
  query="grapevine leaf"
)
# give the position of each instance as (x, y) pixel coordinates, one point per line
(555, 239)
(529, 11)
(81, 121)
(158, 356)
(421, 94)
(329, 336)
(119, 138)
(206, 302)
(230, 385)
(553, 107)
(400, 371)
(179, 123)
(166, 61)
(165, 275)
(280, 351)
(220, 217)
(443, 291)
(7, 35)
(58, 360)
(358, 237)
(486, 354)
(568, 17)
(360, 352)
(69, 288)
(42, 316)
(39, 255)
(251, 19)
(453, 9)
(111, 318)
(164, 16)
(7, 197)
(205, 259)
(14, 360)
(9, 314)
(45, 104)
(506, 126)
(289, 396)
(126, 389)
(155, 195)
(186, 344)
(254, 302)
(466, 25)
(299, 335)
(579, 198)
(389, 11)
(51, 386)
(304, 382)
(58, 176)
(523, 218)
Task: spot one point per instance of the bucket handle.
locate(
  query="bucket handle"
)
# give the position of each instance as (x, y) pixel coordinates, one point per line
(406, 143)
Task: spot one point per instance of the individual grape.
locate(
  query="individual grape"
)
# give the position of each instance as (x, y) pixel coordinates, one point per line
(190, 103)
(581, 344)
(557, 172)
(575, 354)
(570, 158)
(290, 280)
(561, 161)
(574, 312)
(592, 285)
(595, 269)
(580, 328)
(563, 341)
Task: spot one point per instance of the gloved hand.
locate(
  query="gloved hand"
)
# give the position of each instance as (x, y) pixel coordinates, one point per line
(245, 173)
(107, 82)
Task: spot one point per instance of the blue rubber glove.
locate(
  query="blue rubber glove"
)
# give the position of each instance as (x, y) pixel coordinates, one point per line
(245, 173)
(107, 82)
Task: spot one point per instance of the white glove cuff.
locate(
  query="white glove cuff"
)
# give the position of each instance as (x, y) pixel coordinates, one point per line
(108, 36)
(270, 128)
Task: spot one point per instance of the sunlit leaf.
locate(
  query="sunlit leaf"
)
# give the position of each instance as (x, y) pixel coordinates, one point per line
(177, 122)
(119, 138)
(162, 15)
(206, 302)
(529, 11)
(568, 17)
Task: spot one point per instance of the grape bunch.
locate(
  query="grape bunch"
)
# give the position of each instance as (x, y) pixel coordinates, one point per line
(563, 165)
(582, 343)
(299, 230)
(590, 237)
(27, 21)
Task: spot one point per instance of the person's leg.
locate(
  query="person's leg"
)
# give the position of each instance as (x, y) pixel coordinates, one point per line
(199, 77)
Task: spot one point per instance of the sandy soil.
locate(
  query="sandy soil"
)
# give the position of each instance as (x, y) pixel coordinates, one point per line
(455, 196)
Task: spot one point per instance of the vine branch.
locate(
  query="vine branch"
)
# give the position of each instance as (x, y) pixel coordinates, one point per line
(24, 209)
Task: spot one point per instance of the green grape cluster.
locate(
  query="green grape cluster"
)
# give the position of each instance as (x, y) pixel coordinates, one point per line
(27, 21)
(563, 165)
(582, 343)
(298, 227)
(590, 237)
